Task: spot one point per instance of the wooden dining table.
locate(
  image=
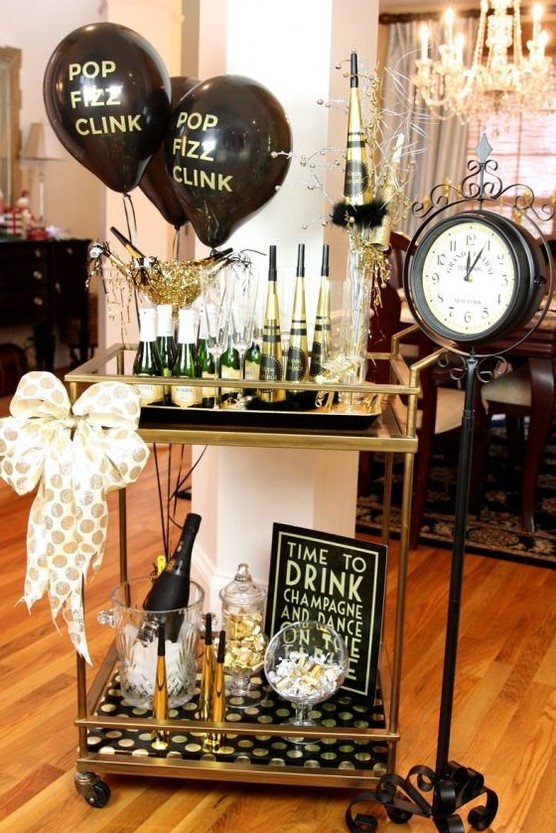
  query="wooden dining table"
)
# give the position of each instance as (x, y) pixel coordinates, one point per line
(539, 349)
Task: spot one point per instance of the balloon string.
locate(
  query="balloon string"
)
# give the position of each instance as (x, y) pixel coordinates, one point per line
(176, 246)
(130, 208)
(132, 234)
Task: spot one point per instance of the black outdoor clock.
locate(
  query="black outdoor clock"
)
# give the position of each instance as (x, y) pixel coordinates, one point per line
(474, 277)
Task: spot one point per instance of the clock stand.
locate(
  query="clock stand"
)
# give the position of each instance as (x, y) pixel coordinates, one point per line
(439, 794)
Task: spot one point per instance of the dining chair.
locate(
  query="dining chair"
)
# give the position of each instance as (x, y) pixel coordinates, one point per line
(438, 425)
(510, 395)
(399, 244)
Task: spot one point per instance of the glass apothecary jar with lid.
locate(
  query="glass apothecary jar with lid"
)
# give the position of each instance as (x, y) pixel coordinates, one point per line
(243, 607)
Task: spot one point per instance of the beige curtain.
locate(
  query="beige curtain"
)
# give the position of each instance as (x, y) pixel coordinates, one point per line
(440, 146)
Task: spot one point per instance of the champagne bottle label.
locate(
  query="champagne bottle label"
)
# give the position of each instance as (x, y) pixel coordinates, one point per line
(150, 394)
(185, 396)
(252, 366)
(252, 369)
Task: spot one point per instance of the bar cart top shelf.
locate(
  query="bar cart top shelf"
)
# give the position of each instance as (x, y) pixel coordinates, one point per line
(391, 427)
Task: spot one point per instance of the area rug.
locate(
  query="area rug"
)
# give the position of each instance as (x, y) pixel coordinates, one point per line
(495, 528)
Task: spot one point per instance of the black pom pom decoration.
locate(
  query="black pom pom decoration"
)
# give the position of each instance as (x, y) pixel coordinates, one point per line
(369, 215)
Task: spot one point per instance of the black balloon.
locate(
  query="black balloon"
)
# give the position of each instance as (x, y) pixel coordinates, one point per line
(227, 149)
(156, 182)
(107, 97)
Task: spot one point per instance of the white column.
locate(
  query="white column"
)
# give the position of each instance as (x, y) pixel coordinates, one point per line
(292, 48)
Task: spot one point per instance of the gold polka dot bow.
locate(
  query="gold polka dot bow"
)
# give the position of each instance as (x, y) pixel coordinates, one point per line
(75, 455)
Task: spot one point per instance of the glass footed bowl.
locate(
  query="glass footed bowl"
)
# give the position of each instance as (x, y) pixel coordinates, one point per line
(305, 663)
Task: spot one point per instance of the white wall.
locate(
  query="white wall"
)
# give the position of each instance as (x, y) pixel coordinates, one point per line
(37, 27)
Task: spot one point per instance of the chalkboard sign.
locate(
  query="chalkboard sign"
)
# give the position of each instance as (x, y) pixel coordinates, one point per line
(336, 580)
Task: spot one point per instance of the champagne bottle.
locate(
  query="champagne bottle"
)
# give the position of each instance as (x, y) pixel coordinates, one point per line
(271, 353)
(229, 368)
(297, 363)
(127, 244)
(147, 360)
(205, 360)
(357, 187)
(166, 343)
(186, 366)
(321, 336)
(141, 263)
(170, 590)
(252, 365)
(161, 737)
(165, 340)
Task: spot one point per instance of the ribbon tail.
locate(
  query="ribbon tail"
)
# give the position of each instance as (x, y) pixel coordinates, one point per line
(75, 623)
(37, 574)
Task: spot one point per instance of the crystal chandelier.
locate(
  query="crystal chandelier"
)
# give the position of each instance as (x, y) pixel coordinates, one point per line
(501, 80)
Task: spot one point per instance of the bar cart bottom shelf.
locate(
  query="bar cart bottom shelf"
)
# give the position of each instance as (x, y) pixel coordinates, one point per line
(280, 759)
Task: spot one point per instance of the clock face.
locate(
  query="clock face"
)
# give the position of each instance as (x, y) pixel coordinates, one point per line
(468, 278)
(474, 277)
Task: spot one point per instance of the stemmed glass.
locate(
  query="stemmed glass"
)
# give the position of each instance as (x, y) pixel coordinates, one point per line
(357, 308)
(305, 663)
(242, 313)
(216, 306)
(345, 357)
(258, 315)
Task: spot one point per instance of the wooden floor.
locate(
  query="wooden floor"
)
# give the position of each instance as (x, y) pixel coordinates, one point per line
(504, 714)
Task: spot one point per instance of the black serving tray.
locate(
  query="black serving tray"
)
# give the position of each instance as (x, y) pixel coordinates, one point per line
(314, 420)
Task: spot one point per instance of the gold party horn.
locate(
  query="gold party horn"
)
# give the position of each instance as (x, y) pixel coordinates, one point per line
(161, 737)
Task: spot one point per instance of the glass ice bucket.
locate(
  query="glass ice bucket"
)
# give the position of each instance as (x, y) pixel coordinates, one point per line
(137, 643)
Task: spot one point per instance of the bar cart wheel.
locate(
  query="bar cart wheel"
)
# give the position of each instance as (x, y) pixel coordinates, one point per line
(95, 792)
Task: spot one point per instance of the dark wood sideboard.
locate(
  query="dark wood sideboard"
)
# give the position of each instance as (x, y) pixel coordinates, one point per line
(44, 284)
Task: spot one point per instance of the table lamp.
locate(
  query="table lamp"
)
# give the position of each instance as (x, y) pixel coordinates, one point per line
(41, 146)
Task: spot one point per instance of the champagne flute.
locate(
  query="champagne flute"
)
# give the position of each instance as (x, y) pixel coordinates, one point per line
(356, 303)
(216, 303)
(258, 314)
(242, 314)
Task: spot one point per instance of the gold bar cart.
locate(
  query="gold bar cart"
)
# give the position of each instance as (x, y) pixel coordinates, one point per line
(393, 433)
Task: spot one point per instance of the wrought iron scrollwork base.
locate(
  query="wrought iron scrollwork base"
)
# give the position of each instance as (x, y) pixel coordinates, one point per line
(450, 790)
